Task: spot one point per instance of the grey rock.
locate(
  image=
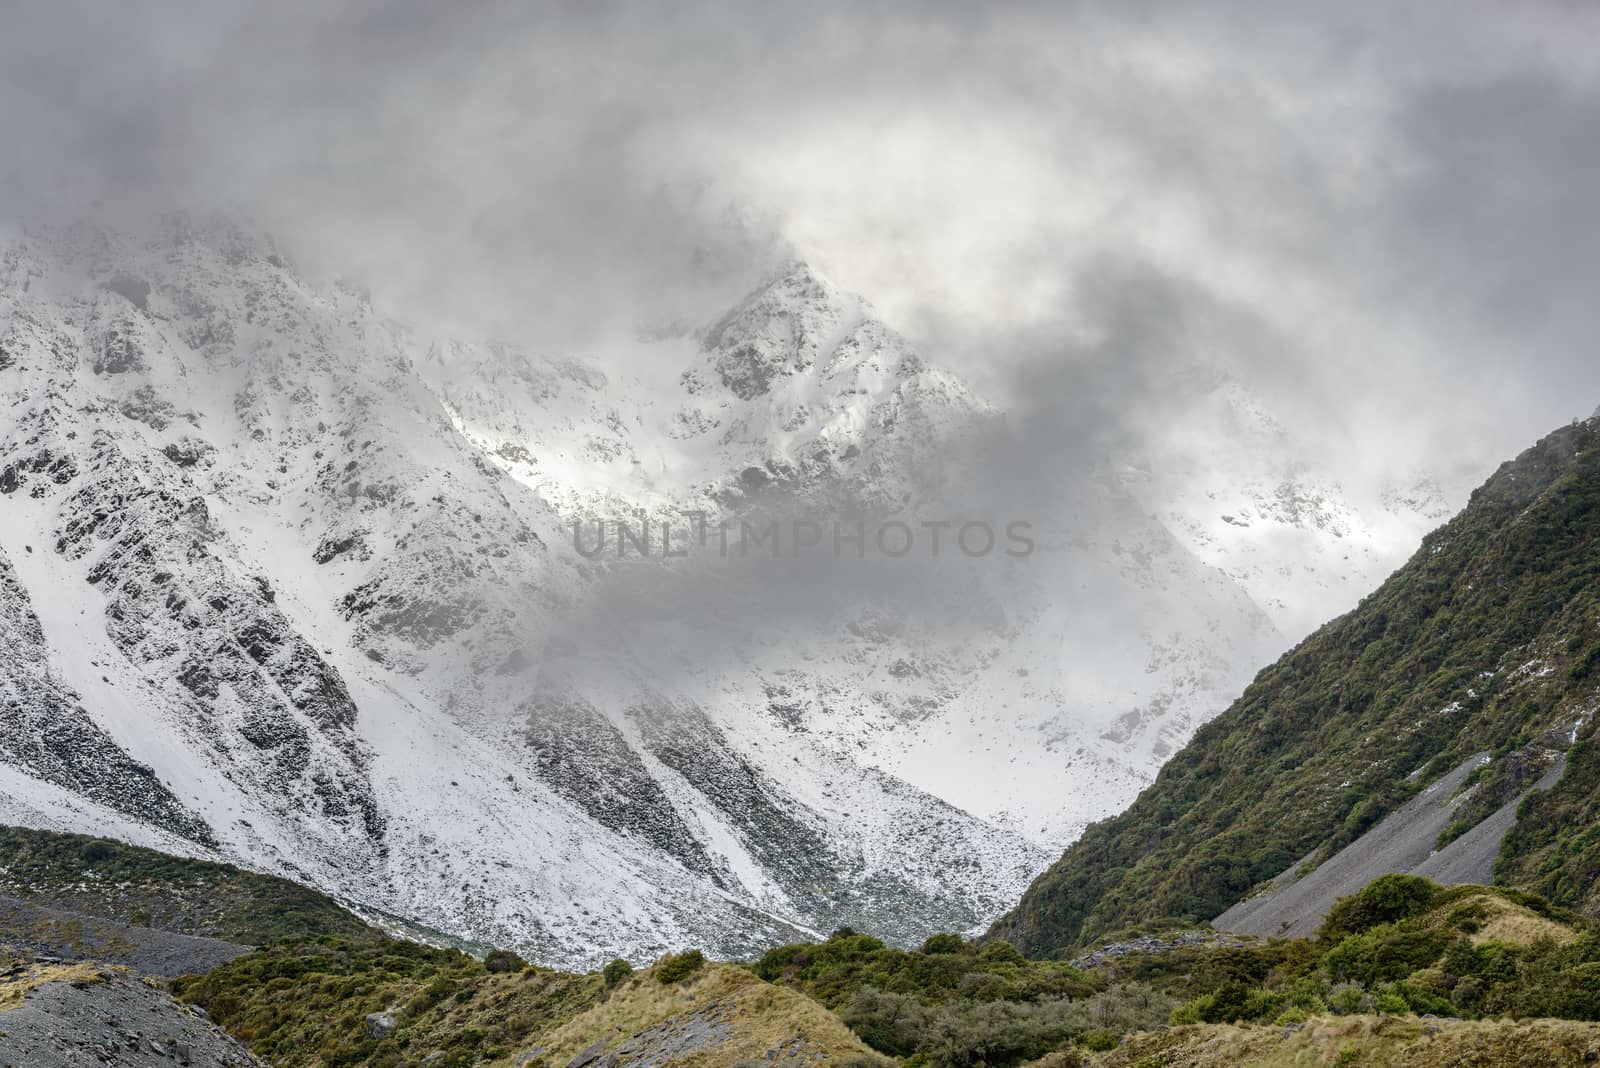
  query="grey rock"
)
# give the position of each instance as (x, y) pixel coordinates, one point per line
(135, 290)
(1404, 841)
(1146, 944)
(588, 1055)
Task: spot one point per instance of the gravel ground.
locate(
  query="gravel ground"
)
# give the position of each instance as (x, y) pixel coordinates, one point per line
(117, 1021)
(1403, 842)
(1470, 858)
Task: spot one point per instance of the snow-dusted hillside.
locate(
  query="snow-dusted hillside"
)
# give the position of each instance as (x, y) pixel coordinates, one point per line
(281, 581)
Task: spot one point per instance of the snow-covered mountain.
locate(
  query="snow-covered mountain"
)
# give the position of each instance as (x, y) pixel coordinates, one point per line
(1239, 491)
(282, 581)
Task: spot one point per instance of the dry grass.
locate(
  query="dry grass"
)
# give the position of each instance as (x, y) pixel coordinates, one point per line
(1368, 1041)
(1510, 922)
(760, 1017)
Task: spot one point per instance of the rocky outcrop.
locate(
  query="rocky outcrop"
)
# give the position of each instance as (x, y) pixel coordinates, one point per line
(105, 1016)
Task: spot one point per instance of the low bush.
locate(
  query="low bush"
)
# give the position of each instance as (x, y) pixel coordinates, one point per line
(678, 967)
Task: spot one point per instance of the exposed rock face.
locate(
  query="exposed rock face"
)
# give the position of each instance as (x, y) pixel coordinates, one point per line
(1405, 841)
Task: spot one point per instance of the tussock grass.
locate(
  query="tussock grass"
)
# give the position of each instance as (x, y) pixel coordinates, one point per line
(758, 1015)
(1514, 924)
(27, 976)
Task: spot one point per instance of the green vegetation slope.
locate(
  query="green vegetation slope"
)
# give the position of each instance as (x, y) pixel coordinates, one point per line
(145, 888)
(1488, 639)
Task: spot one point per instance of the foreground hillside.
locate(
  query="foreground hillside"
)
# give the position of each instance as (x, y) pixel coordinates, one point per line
(1404, 971)
(1482, 654)
(67, 1016)
(1479, 962)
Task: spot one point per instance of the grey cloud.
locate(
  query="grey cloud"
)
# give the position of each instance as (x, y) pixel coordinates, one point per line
(1387, 217)
(1507, 203)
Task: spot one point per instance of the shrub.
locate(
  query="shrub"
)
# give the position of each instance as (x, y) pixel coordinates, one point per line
(1001, 950)
(96, 851)
(1099, 1041)
(1392, 1004)
(833, 971)
(944, 943)
(961, 1033)
(890, 1023)
(1467, 995)
(1387, 899)
(1192, 1012)
(435, 992)
(1347, 998)
(678, 967)
(615, 972)
(1263, 1005)
(501, 962)
(1228, 1003)
(775, 962)
(1385, 953)
(968, 1033)
(1420, 999)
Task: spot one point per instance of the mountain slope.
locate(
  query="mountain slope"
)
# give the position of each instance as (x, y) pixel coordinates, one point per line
(1486, 641)
(285, 583)
(133, 885)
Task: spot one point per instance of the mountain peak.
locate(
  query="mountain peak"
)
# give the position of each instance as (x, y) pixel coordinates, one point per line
(785, 326)
(793, 276)
(793, 290)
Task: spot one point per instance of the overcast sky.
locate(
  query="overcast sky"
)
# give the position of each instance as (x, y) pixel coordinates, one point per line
(1386, 214)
